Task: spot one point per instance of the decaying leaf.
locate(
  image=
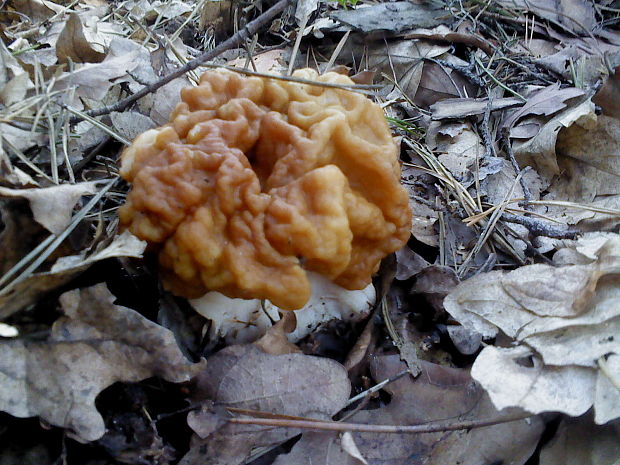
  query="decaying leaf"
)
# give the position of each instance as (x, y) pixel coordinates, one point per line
(588, 155)
(130, 124)
(608, 96)
(52, 207)
(546, 101)
(539, 151)
(39, 10)
(458, 148)
(93, 80)
(95, 345)
(566, 320)
(438, 394)
(575, 15)
(579, 442)
(247, 378)
(408, 263)
(393, 17)
(28, 291)
(72, 44)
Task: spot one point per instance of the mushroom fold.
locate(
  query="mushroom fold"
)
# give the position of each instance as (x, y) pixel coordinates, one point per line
(255, 181)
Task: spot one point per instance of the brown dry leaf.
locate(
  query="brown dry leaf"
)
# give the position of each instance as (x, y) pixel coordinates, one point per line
(434, 283)
(402, 60)
(247, 378)
(577, 16)
(393, 17)
(95, 345)
(438, 394)
(539, 151)
(566, 321)
(93, 80)
(608, 96)
(34, 287)
(579, 442)
(37, 10)
(130, 124)
(546, 101)
(439, 82)
(588, 157)
(458, 147)
(52, 207)
(19, 234)
(275, 341)
(408, 263)
(72, 44)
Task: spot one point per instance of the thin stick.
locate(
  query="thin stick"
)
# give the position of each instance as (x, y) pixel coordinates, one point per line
(239, 37)
(383, 429)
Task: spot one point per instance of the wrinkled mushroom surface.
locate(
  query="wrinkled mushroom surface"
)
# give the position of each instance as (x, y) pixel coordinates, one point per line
(255, 180)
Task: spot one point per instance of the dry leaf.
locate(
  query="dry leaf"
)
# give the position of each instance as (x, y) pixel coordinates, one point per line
(546, 101)
(38, 10)
(317, 448)
(577, 16)
(52, 207)
(34, 287)
(539, 151)
(565, 319)
(95, 345)
(408, 263)
(348, 445)
(402, 60)
(93, 80)
(72, 44)
(392, 17)
(438, 394)
(275, 341)
(458, 148)
(515, 377)
(608, 96)
(247, 378)
(588, 155)
(130, 124)
(579, 442)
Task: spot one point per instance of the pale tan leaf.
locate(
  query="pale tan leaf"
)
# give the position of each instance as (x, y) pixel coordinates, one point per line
(52, 207)
(72, 44)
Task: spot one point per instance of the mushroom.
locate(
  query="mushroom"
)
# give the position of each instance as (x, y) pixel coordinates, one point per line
(256, 181)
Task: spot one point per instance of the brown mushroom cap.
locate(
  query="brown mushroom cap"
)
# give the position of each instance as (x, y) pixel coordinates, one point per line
(255, 180)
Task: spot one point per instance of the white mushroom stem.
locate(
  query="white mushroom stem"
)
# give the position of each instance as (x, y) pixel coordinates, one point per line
(239, 320)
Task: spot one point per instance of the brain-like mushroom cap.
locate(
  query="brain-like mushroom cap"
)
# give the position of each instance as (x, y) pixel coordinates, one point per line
(256, 180)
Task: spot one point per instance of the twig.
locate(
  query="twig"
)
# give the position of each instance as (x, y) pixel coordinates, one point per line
(377, 387)
(511, 156)
(466, 71)
(239, 37)
(540, 228)
(456, 38)
(485, 131)
(382, 429)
